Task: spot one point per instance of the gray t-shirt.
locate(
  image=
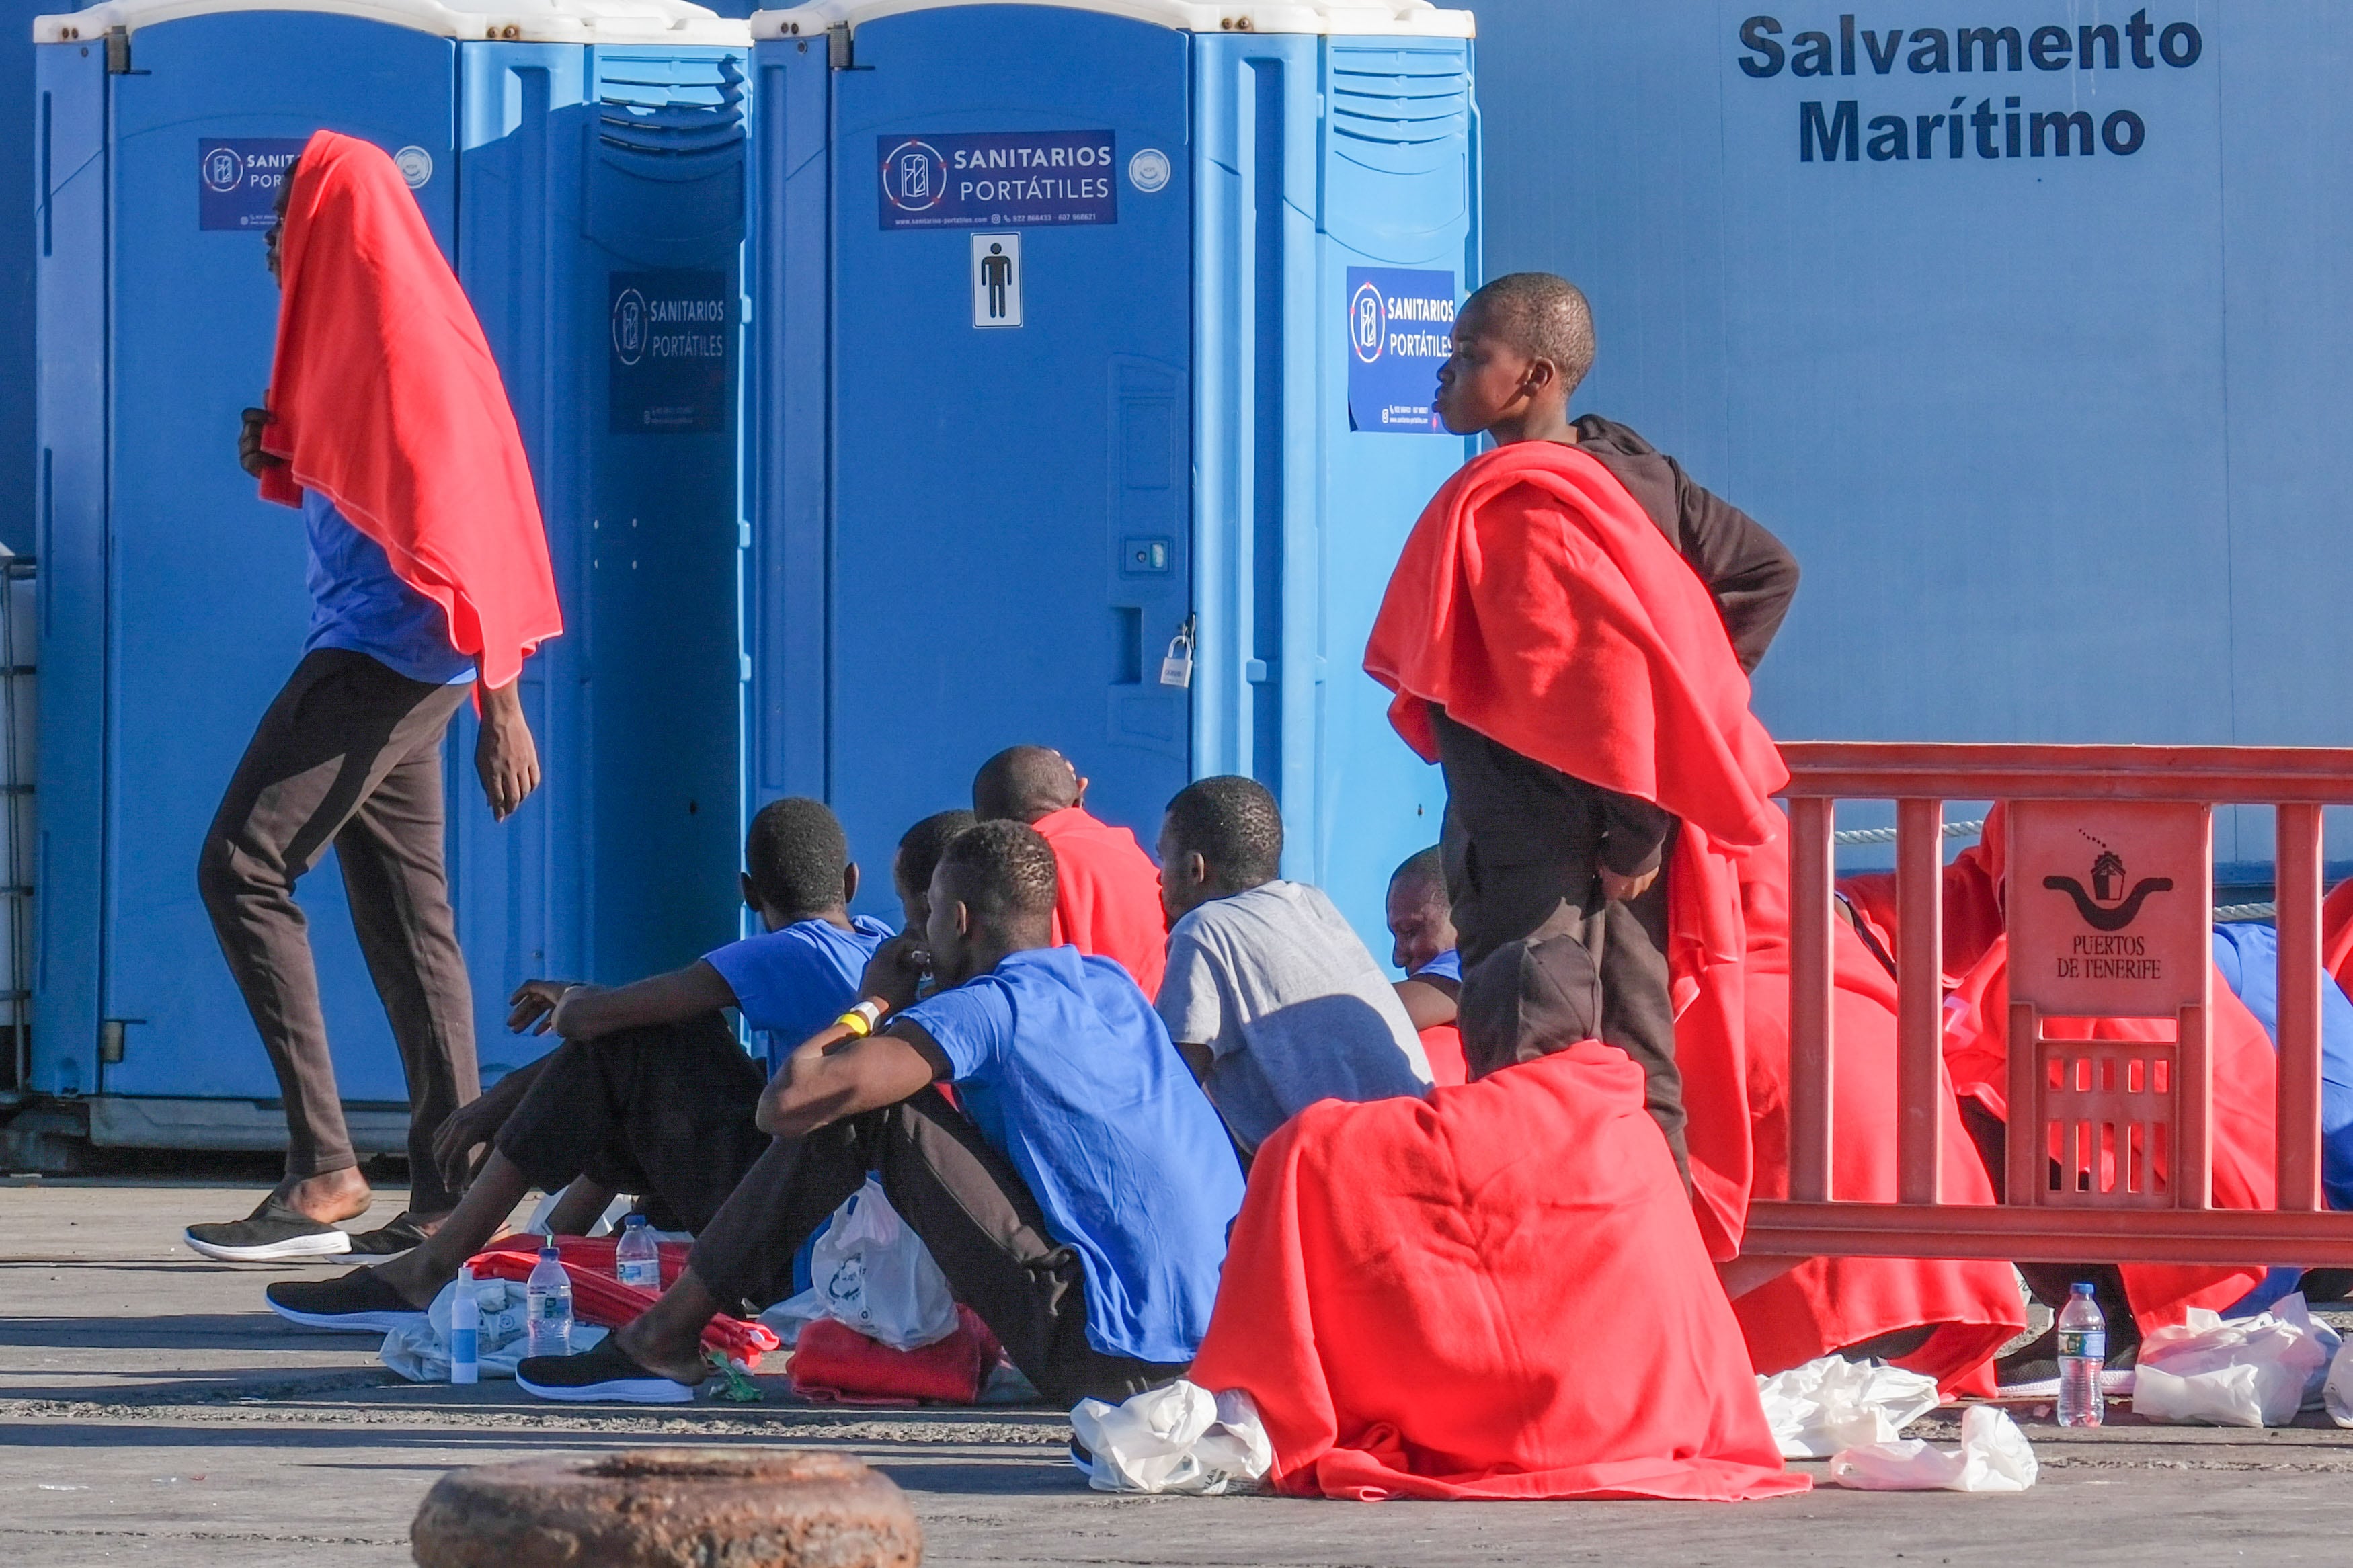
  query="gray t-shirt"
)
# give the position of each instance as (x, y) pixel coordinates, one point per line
(1290, 1004)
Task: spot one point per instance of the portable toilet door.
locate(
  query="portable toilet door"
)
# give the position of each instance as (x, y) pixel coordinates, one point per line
(1053, 382)
(561, 160)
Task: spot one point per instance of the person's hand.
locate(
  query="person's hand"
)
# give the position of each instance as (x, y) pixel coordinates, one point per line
(249, 455)
(895, 971)
(1621, 890)
(469, 1127)
(535, 1002)
(505, 756)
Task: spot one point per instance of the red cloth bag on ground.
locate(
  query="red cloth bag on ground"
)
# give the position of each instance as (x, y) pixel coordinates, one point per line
(1108, 902)
(387, 401)
(1829, 1303)
(598, 1298)
(1498, 1291)
(834, 1363)
(1538, 605)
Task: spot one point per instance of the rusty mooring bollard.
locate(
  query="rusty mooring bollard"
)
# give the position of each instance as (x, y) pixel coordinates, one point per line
(668, 1508)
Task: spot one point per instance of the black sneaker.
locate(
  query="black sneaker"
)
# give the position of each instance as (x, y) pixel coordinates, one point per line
(387, 1240)
(272, 1234)
(359, 1302)
(605, 1373)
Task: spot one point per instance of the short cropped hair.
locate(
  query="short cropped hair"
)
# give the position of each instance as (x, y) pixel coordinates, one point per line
(1423, 874)
(1022, 783)
(796, 854)
(921, 847)
(1233, 824)
(1542, 315)
(1001, 871)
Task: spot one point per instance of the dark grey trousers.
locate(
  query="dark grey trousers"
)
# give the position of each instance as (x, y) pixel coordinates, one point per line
(348, 754)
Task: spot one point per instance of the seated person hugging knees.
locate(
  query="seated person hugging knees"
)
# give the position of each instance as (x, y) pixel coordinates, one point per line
(1078, 1202)
(1270, 996)
(649, 1093)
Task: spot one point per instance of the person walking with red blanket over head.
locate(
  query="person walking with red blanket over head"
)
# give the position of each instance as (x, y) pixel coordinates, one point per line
(388, 429)
(1573, 657)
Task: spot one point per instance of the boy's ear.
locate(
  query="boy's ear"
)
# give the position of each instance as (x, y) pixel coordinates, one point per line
(850, 883)
(963, 918)
(1196, 868)
(751, 895)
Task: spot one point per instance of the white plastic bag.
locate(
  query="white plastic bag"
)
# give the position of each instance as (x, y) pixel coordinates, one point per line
(1181, 1439)
(420, 1352)
(1832, 1404)
(1994, 1456)
(2247, 1372)
(871, 1272)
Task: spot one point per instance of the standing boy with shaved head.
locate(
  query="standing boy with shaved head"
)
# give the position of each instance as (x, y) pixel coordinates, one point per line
(1109, 901)
(1561, 634)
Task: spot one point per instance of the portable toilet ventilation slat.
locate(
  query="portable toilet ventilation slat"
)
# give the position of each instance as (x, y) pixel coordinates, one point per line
(582, 163)
(1081, 332)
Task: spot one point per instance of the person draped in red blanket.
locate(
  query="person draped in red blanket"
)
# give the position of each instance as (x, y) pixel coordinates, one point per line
(1943, 1317)
(388, 429)
(1430, 1298)
(1109, 901)
(1563, 660)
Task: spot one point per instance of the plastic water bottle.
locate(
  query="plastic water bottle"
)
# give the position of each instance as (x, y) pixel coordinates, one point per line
(465, 1330)
(638, 1260)
(2082, 1351)
(548, 1299)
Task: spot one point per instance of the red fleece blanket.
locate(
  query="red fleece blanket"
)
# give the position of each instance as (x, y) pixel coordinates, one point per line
(1109, 902)
(2336, 933)
(387, 402)
(598, 1298)
(1829, 1303)
(1494, 1292)
(2246, 1070)
(1539, 605)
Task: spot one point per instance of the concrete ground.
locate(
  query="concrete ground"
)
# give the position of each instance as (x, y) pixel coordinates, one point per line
(151, 1410)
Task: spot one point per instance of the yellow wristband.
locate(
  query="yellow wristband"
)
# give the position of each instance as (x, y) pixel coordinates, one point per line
(860, 1020)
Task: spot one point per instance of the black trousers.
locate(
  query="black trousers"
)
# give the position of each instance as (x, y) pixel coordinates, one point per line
(348, 754)
(669, 1112)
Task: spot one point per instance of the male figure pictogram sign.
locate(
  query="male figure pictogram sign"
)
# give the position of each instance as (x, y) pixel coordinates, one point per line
(2109, 915)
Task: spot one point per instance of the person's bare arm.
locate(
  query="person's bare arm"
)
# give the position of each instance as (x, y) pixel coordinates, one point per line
(505, 755)
(477, 1122)
(835, 1074)
(1426, 1001)
(586, 1012)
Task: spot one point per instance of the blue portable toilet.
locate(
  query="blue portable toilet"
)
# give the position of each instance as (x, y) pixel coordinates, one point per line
(582, 164)
(1081, 332)
(2023, 325)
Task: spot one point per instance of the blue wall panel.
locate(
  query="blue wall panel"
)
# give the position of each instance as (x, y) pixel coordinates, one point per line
(2046, 433)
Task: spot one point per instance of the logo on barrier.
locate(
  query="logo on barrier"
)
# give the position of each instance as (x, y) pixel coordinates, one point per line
(237, 180)
(2107, 904)
(915, 176)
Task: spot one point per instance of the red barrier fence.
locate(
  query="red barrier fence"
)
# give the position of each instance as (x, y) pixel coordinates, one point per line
(2121, 1169)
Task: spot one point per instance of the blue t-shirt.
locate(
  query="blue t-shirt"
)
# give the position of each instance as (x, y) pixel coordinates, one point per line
(358, 601)
(1068, 1073)
(790, 984)
(1447, 965)
(2247, 953)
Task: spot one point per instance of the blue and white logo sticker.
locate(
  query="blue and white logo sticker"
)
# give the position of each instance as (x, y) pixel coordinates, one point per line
(1401, 331)
(915, 176)
(416, 165)
(1148, 170)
